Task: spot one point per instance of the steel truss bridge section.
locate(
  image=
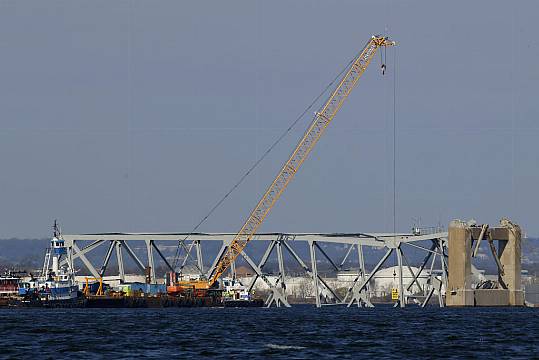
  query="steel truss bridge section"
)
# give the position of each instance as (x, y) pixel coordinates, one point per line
(434, 262)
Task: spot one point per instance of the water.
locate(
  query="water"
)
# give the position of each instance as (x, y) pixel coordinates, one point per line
(300, 332)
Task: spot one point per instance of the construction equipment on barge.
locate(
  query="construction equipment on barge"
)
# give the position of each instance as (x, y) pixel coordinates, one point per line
(177, 284)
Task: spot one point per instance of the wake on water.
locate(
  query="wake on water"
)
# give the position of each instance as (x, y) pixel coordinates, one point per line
(284, 347)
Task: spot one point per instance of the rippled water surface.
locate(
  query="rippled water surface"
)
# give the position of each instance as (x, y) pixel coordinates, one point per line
(298, 332)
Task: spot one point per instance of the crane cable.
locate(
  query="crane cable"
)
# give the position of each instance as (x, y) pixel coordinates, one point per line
(394, 140)
(383, 66)
(255, 165)
(395, 154)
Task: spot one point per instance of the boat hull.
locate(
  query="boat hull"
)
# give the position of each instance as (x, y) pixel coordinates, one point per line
(151, 301)
(244, 303)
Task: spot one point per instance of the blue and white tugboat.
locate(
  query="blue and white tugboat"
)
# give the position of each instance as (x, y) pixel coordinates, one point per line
(56, 286)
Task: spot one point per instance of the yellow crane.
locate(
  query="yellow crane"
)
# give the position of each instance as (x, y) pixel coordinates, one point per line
(292, 165)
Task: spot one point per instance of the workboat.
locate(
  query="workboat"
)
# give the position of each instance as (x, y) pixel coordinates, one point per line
(9, 288)
(56, 286)
(235, 294)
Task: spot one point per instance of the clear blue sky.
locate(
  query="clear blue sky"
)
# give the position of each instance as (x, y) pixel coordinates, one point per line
(138, 116)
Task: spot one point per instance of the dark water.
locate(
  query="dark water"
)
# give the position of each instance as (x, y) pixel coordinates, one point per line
(299, 332)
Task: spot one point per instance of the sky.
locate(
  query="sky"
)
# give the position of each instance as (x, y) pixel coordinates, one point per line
(139, 116)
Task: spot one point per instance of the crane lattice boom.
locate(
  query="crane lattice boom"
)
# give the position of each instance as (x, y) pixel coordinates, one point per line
(304, 147)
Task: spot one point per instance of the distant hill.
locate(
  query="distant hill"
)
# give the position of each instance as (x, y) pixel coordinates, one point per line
(27, 253)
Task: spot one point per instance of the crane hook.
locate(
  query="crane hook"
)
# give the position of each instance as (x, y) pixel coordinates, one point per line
(383, 67)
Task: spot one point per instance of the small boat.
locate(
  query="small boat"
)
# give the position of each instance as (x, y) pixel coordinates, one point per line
(9, 288)
(235, 294)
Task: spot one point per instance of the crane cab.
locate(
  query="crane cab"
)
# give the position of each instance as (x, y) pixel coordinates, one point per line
(182, 285)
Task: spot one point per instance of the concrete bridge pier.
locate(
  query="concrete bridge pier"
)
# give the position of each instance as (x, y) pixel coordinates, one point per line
(461, 290)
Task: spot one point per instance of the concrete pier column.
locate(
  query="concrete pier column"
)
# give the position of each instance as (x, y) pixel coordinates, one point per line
(459, 291)
(510, 257)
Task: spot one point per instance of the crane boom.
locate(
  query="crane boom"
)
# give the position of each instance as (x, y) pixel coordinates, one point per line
(301, 152)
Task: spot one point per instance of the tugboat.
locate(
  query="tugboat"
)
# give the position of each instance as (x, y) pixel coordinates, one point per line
(56, 286)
